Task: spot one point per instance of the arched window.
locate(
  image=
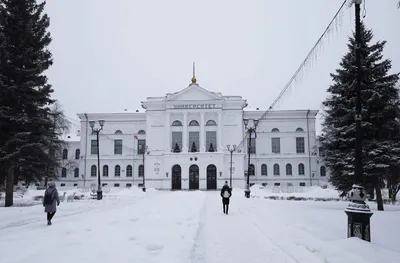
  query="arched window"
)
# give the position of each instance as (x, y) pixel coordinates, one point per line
(141, 132)
(211, 123)
(299, 130)
(64, 172)
(105, 170)
(177, 123)
(194, 123)
(129, 171)
(76, 172)
(93, 170)
(251, 170)
(77, 154)
(275, 130)
(289, 169)
(118, 132)
(264, 170)
(301, 169)
(322, 171)
(65, 154)
(141, 170)
(117, 170)
(276, 169)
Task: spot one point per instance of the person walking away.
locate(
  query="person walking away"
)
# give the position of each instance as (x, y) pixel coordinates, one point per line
(226, 193)
(50, 201)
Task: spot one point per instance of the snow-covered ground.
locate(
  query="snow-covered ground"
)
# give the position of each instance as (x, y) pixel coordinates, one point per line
(172, 227)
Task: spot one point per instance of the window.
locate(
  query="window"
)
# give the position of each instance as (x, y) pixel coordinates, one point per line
(264, 184)
(211, 141)
(289, 184)
(75, 184)
(252, 146)
(93, 147)
(301, 169)
(300, 145)
(141, 149)
(65, 154)
(299, 130)
(129, 171)
(264, 170)
(252, 170)
(76, 172)
(105, 184)
(277, 184)
(321, 152)
(118, 132)
(64, 172)
(105, 170)
(140, 185)
(276, 145)
(211, 123)
(274, 130)
(194, 123)
(322, 171)
(93, 170)
(276, 169)
(117, 170)
(116, 185)
(141, 132)
(176, 142)
(117, 146)
(302, 184)
(128, 185)
(177, 123)
(288, 169)
(77, 154)
(62, 185)
(194, 141)
(141, 170)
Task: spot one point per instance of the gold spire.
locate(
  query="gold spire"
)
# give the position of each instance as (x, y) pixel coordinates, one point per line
(194, 74)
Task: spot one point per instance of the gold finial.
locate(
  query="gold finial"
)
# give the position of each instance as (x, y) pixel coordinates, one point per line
(194, 74)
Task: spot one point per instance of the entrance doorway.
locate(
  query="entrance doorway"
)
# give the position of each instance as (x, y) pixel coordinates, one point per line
(194, 177)
(211, 177)
(176, 177)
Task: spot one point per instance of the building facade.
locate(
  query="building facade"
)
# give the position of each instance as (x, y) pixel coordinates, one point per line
(180, 141)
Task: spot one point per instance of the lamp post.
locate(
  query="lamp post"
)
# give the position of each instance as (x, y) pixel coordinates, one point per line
(143, 151)
(358, 212)
(231, 150)
(250, 131)
(97, 131)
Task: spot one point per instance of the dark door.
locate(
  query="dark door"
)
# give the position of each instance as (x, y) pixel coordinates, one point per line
(211, 177)
(194, 177)
(176, 177)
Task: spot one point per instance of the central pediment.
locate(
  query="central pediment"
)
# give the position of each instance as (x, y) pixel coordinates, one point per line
(193, 93)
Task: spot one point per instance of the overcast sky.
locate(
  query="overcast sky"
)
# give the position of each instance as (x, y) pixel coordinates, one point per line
(111, 55)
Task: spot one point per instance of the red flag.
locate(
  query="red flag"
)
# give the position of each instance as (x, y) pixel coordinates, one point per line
(135, 137)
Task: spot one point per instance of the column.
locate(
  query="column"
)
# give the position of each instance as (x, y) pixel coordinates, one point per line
(185, 133)
(168, 132)
(202, 133)
(219, 139)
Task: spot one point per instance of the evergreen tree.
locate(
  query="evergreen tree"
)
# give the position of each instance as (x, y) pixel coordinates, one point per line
(25, 116)
(194, 148)
(380, 112)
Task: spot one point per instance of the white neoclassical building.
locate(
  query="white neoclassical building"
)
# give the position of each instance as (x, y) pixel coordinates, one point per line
(180, 141)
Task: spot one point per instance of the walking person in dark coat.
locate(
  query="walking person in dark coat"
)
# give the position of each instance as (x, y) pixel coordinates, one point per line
(226, 193)
(50, 201)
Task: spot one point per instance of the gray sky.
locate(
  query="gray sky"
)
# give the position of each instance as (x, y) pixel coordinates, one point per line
(111, 55)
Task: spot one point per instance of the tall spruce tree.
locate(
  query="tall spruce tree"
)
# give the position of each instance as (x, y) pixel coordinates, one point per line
(380, 112)
(25, 116)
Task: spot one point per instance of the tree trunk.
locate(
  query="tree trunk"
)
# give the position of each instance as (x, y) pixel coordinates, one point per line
(10, 187)
(379, 200)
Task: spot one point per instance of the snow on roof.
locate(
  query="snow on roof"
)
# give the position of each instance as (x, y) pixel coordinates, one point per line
(71, 137)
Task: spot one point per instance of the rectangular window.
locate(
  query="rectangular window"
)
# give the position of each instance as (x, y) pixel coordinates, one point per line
(276, 145)
(93, 147)
(176, 142)
(104, 185)
(289, 184)
(277, 184)
(194, 144)
(116, 185)
(128, 185)
(211, 141)
(141, 146)
(117, 146)
(62, 185)
(321, 152)
(300, 148)
(302, 184)
(264, 184)
(252, 145)
(75, 184)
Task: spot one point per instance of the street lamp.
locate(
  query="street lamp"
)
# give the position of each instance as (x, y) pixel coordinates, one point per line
(97, 131)
(231, 150)
(143, 151)
(250, 131)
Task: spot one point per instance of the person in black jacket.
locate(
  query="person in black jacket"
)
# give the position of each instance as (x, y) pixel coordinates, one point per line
(226, 193)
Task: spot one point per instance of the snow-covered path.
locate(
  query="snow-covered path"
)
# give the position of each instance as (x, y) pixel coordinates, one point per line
(189, 227)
